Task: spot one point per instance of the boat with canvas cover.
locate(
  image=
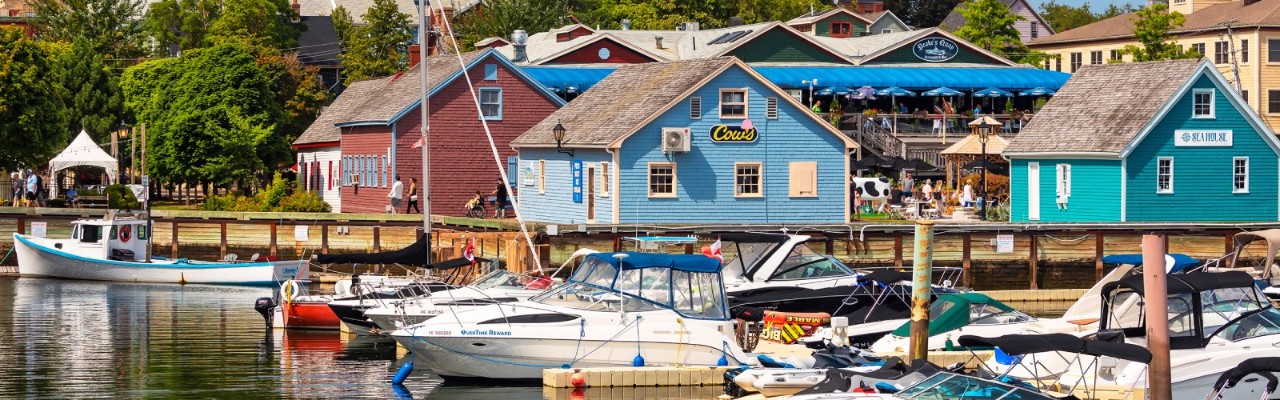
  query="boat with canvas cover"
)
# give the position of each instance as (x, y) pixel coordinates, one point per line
(617, 309)
(114, 248)
(955, 314)
(452, 274)
(1262, 267)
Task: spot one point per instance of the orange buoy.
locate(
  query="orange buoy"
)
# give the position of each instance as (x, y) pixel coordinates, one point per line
(578, 379)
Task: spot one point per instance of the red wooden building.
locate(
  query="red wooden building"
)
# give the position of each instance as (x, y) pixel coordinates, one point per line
(377, 138)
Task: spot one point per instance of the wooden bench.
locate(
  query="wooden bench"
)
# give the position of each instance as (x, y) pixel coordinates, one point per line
(91, 201)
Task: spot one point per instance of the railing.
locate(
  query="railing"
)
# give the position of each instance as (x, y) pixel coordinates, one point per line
(949, 125)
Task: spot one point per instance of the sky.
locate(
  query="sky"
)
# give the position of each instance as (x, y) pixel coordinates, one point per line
(1094, 5)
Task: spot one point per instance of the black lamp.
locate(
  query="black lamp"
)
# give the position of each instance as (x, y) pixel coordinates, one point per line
(123, 131)
(984, 135)
(558, 132)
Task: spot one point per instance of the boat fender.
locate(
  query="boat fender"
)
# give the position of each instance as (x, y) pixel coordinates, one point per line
(403, 373)
(638, 361)
(578, 379)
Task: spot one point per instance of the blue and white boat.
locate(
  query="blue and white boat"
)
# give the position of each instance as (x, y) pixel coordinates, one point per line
(618, 309)
(115, 249)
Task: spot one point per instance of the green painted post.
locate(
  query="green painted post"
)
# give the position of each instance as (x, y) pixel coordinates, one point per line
(922, 275)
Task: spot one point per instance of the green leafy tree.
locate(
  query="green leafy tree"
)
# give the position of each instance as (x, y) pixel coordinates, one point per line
(267, 23)
(377, 48)
(92, 100)
(990, 24)
(500, 18)
(1114, 10)
(754, 11)
(300, 94)
(113, 26)
(179, 24)
(1151, 28)
(1063, 17)
(921, 13)
(30, 102)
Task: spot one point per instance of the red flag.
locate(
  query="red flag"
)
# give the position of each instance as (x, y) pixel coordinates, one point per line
(715, 250)
(420, 142)
(469, 253)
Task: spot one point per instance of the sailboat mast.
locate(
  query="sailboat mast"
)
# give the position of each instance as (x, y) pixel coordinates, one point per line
(424, 25)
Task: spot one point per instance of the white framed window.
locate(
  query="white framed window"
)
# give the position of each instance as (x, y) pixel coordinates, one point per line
(1273, 50)
(1199, 49)
(771, 108)
(1202, 103)
(542, 176)
(604, 179)
(733, 103)
(1035, 30)
(1240, 175)
(886, 31)
(1164, 175)
(695, 107)
(1076, 60)
(747, 178)
(1244, 51)
(662, 180)
(1221, 52)
(491, 103)
(804, 179)
(1095, 57)
(1064, 180)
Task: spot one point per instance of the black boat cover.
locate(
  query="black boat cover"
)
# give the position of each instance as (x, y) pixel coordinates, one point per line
(1187, 283)
(841, 380)
(1019, 344)
(748, 237)
(887, 276)
(416, 254)
(1260, 365)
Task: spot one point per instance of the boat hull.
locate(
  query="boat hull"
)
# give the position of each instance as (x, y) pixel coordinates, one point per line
(313, 314)
(36, 259)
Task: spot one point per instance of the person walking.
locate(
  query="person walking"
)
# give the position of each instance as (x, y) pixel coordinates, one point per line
(500, 200)
(396, 194)
(18, 183)
(41, 191)
(413, 198)
(33, 184)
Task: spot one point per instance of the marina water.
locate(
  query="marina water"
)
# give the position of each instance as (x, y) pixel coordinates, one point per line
(80, 339)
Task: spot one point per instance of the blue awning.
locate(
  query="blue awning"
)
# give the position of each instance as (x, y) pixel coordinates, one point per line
(576, 79)
(917, 78)
(579, 79)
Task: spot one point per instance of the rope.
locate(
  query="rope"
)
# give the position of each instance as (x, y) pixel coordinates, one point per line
(582, 326)
(679, 341)
(6, 255)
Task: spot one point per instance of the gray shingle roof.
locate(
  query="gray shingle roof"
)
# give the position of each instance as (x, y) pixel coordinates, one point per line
(1103, 107)
(394, 93)
(621, 102)
(810, 18)
(322, 130)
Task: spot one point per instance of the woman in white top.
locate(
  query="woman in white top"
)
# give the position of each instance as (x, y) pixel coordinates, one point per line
(927, 190)
(967, 200)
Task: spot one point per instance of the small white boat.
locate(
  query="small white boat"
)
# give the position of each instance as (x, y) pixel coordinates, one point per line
(114, 249)
(952, 315)
(617, 309)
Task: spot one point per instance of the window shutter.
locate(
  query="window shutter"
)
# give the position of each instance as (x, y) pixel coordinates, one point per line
(695, 107)
(1064, 180)
(771, 108)
(804, 179)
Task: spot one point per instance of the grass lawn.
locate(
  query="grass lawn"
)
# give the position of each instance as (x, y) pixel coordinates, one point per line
(174, 206)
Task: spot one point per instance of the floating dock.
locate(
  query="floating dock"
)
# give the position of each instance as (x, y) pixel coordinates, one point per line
(636, 376)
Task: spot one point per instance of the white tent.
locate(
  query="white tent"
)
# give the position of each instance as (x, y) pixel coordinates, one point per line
(83, 151)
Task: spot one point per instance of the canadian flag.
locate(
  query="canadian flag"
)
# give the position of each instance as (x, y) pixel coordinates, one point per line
(715, 251)
(469, 253)
(420, 142)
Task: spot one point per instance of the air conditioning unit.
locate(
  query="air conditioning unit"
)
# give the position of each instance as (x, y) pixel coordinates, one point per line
(675, 140)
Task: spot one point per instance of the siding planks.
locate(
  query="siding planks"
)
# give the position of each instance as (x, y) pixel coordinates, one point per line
(556, 204)
(1095, 191)
(779, 45)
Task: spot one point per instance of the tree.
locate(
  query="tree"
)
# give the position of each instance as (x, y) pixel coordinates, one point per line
(921, 13)
(113, 26)
(300, 94)
(378, 47)
(1114, 11)
(92, 99)
(1063, 17)
(1151, 28)
(754, 11)
(30, 103)
(179, 24)
(267, 23)
(500, 18)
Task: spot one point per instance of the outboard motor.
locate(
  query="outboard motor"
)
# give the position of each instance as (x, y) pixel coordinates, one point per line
(267, 307)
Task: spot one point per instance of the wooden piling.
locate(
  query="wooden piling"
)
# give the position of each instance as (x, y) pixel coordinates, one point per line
(273, 248)
(377, 239)
(1159, 380)
(173, 242)
(1098, 248)
(1229, 245)
(1035, 261)
(22, 226)
(831, 245)
(967, 261)
(921, 278)
(324, 239)
(617, 244)
(222, 240)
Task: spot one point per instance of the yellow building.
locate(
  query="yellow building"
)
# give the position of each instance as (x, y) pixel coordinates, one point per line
(1253, 39)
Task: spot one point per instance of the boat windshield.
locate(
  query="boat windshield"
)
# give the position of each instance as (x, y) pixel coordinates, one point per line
(952, 386)
(496, 278)
(749, 254)
(1261, 323)
(692, 294)
(804, 263)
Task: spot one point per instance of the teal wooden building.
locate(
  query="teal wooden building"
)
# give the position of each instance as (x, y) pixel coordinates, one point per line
(1164, 141)
(702, 141)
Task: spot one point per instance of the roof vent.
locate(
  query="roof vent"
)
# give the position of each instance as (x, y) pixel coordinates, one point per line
(657, 41)
(518, 39)
(626, 24)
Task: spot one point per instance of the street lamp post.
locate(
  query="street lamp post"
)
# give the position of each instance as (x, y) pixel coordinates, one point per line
(810, 82)
(984, 130)
(121, 134)
(558, 132)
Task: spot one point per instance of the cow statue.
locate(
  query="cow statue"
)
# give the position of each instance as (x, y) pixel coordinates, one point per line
(873, 190)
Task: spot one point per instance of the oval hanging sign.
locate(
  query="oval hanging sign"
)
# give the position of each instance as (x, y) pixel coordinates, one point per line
(935, 49)
(733, 134)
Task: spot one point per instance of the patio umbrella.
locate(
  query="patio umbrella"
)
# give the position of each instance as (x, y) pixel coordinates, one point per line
(1039, 91)
(992, 92)
(864, 93)
(917, 164)
(980, 164)
(941, 92)
(868, 161)
(897, 162)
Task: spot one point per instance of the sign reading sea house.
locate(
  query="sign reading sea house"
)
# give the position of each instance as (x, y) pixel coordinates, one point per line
(935, 49)
(1202, 138)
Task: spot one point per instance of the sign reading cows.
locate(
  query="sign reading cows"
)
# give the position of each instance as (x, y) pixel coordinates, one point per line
(935, 49)
(733, 134)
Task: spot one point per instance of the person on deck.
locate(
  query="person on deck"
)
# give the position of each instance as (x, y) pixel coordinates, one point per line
(396, 194)
(500, 200)
(18, 181)
(967, 199)
(817, 106)
(413, 197)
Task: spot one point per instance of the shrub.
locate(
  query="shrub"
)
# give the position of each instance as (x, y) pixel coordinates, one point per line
(279, 196)
(303, 201)
(120, 197)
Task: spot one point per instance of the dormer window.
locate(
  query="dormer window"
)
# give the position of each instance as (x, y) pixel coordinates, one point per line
(1202, 103)
(841, 29)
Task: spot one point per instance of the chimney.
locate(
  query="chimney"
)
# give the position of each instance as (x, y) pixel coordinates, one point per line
(658, 42)
(413, 54)
(626, 24)
(735, 21)
(518, 40)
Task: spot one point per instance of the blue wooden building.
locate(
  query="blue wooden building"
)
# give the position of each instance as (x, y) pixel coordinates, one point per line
(701, 141)
(1145, 142)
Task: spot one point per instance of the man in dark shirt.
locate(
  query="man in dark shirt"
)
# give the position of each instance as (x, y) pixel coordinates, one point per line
(895, 196)
(500, 200)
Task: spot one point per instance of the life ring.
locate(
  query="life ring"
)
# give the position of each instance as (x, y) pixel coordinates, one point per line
(289, 290)
(125, 232)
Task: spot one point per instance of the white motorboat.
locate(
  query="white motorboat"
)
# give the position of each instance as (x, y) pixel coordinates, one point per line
(115, 249)
(1216, 321)
(618, 309)
(497, 286)
(955, 314)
